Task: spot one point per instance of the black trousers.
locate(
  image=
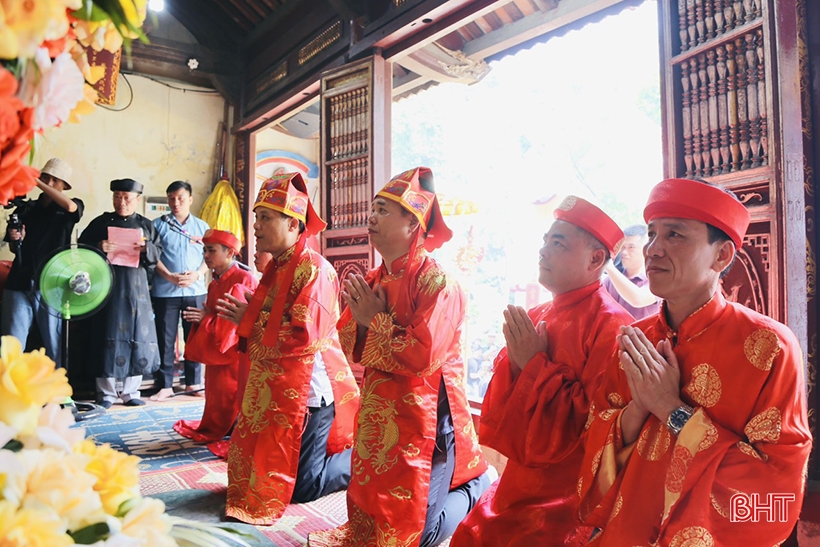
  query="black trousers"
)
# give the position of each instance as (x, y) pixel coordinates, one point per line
(447, 508)
(167, 312)
(319, 474)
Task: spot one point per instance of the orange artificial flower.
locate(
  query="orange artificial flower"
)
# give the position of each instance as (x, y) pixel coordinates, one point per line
(16, 178)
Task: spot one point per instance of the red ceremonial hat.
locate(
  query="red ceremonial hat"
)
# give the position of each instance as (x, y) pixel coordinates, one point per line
(287, 193)
(587, 216)
(406, 190)
(690, 199)
(223, 238)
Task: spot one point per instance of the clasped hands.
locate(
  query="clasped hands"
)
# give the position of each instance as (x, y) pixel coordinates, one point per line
(364, 303)
(652, 373)
(523, 338)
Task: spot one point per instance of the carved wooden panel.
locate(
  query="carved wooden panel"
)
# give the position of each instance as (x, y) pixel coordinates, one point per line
(243, 169)
(747, 281)
(721, 71)
(355, 144)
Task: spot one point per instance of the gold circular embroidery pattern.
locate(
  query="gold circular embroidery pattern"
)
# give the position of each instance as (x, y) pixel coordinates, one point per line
(590, 416)
(619, 502)
(616, 400)
(721, 510)
(654, 442)
(596, 460)
(761, 347)
(607, 414)
(693, 536)
(705, 387)
(764, 427)
(747, 449)
(709, 438)
(568, 203)
(681, 459)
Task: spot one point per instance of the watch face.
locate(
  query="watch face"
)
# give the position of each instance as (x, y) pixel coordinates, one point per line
(678, 418)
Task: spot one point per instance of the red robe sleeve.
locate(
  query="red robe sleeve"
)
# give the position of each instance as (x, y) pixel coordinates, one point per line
(420, 348)
(214, 340)
(547, 403)
(307, 325)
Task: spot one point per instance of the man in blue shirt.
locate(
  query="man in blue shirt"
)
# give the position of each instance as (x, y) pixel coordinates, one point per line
(178, 284)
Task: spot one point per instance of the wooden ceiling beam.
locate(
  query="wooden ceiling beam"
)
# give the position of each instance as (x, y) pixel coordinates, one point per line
(169, 59)
(534, 26)
(207, 23)
(241, 11)
(278, 17)
(410, 32)
(259, 9)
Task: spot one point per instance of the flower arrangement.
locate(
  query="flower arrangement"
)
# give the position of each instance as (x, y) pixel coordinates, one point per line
(45, 77)
(58, 488)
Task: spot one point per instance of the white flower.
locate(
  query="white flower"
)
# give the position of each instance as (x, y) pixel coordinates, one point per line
(13, 475)
(7, 433)
(54, 429)
(59, 482)
(52, 88)
(148, 522)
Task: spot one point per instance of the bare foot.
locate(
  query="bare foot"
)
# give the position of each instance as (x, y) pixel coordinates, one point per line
(162, 395)
(195, 391)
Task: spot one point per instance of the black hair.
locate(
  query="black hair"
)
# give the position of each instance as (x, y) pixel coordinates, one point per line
(179, 185)
(635, 230)
(715, 234)
(301, 224)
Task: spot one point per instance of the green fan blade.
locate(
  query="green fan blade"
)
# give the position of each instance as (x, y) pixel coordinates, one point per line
(58, 271)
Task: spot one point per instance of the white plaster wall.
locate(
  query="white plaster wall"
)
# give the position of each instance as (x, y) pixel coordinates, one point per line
(164, 135)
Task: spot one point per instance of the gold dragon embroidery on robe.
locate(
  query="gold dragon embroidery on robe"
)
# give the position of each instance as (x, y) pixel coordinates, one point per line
(377, 435)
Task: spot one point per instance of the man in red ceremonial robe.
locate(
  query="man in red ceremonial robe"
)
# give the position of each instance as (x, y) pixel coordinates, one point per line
(537, 402)
(213, 340)
(417, 466)
(701, 420)
(293, 436)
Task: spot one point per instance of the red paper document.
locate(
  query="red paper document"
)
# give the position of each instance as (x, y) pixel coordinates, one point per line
(128, 241)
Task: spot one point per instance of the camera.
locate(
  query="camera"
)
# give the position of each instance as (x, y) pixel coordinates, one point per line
(14, 224)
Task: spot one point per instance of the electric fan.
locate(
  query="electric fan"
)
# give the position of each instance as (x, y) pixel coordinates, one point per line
(75, 282)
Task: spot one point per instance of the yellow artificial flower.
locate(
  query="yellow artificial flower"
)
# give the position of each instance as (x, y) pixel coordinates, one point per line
(99, 35)
(59, 481)
(22, 26)
(135, 12)
(28, 381)
(31, 528)
(147, 521)
(57, 26)
(117, 474)
(86, 104)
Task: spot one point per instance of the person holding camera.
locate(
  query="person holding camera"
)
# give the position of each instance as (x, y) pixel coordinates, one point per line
(35, 230)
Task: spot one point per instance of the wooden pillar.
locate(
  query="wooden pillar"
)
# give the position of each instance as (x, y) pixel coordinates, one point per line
(244, 185)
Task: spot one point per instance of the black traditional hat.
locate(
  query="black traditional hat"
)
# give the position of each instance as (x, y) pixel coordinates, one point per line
(126, 185)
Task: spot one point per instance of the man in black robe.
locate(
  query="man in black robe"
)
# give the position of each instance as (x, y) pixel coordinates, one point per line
(123, 336)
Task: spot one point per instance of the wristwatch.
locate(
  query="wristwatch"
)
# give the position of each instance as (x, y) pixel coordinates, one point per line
(678, 418)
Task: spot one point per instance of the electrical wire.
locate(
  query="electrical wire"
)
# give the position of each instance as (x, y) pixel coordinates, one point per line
(130, 99)
(183, 89)
(131, 90)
